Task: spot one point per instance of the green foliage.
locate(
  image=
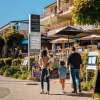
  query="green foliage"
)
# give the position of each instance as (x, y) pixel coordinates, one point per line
(2, 63)
(11, 71)
(12, 68)
(15, 72)
(3, 69)
(90, 82)
(8, 61)
(16, 62)
(14, 40)
(32, 60)
(86, 11)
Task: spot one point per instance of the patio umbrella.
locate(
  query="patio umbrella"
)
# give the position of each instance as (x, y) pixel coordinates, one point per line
(91, 37)
(62, 40)
(70, 32)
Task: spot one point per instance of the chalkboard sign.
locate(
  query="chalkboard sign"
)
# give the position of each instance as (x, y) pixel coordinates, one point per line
(35, 23)
(97, 86)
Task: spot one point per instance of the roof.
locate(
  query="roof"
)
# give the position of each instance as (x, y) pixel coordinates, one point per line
(52, 4)
(17, 21)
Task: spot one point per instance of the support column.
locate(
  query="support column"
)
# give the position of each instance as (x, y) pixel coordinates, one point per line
(53, 47)
(58, 5)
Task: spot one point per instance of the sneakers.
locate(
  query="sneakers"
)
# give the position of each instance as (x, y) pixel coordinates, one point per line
(42, 92)
(80, 91)
(74, 91)
(48, 92)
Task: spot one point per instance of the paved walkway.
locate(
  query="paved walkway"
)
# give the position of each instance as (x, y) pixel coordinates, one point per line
(11, 89)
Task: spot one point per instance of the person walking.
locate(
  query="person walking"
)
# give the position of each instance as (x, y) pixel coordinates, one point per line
(45, 73)
(62, 71)
(75, 63)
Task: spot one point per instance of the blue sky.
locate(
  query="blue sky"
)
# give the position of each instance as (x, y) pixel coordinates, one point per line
(20, 9)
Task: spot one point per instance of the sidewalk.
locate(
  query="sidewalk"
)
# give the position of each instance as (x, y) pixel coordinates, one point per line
(20, 90)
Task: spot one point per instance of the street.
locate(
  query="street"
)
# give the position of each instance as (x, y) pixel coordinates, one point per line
(12, 89)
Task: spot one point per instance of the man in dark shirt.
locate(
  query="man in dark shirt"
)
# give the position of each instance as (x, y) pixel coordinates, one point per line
(75, 62)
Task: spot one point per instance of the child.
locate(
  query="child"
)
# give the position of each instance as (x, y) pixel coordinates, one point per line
(62, 71)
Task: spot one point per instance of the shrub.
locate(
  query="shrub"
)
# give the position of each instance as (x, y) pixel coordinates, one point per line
(86, 86)
(11, 71)
(17, 74)
(8, 61)
(24, 76)
(3, 69)
(2, 63)
(25, 73)
(15, 70)
(7, 72)
(16, 62)
(89, 84)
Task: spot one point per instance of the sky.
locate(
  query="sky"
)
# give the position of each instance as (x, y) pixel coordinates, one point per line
(20, 9)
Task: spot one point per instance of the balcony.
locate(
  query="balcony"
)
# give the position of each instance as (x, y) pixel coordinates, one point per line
(52, 12)
(59, 25)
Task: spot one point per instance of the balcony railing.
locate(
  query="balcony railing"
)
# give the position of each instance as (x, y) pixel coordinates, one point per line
(59, 25)
(62, 9)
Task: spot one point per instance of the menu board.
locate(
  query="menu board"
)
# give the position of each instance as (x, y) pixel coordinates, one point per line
(92, 60)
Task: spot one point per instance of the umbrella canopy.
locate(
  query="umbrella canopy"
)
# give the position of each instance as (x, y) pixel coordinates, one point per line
(91, 37)
(62, 40)
(66, 31)
(70, 30)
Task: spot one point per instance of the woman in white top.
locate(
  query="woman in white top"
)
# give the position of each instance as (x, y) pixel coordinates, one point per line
(45, 74)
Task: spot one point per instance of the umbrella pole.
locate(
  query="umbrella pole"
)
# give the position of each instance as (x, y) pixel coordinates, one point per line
(68, 45)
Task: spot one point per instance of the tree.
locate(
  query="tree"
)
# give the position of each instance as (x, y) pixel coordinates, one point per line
(13, 42)
(2, 43)
(86, 11)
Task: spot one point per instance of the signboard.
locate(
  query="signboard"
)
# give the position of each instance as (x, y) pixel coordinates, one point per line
(34, 36)
(35, 42)
(34, 23)
(92, 60)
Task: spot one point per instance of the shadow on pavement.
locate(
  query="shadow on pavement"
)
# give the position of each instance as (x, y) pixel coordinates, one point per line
(72, 94)
(31, 84)
(4, 92)
(80, 94)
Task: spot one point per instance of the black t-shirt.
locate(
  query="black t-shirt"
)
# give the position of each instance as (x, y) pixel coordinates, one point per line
(75, 60)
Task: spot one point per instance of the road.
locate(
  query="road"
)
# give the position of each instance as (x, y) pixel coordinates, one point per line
(12, 89)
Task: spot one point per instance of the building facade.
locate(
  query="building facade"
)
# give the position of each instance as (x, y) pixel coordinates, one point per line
(57, 15)
(15, 31)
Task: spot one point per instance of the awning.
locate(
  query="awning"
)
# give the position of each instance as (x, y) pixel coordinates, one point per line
(25, 42)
